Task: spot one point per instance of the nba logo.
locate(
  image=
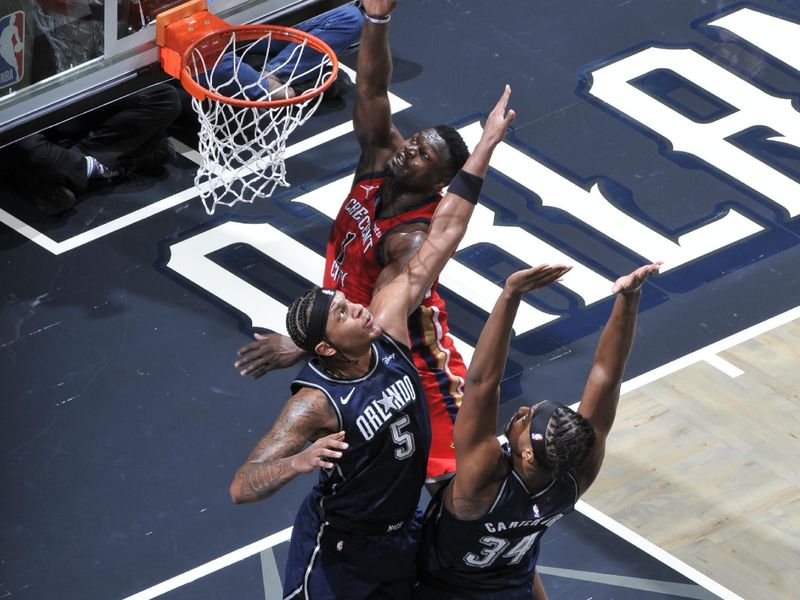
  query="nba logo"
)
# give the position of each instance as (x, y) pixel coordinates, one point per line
(12, 48)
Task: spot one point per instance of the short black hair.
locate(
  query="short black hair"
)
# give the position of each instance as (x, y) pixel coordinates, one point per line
(459, 153)
(569, 439)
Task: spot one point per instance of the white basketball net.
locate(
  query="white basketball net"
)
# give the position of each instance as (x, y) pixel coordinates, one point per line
(243, 150)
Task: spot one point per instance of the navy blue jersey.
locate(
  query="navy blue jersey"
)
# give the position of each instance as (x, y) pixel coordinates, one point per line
(385, 420)
(499, 550)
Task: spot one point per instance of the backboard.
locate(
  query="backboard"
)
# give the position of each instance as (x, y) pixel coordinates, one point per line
(61, 58)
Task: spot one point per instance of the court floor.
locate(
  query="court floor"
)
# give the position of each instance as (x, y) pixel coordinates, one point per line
(646, 130)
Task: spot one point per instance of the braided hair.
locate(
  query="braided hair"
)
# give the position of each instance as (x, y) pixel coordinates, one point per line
(568, 439)
(298, 316)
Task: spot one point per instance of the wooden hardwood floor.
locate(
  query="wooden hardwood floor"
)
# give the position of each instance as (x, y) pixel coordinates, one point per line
(707, 465)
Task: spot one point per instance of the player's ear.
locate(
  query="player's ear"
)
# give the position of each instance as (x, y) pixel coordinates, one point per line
(325, 348)
(527, 455)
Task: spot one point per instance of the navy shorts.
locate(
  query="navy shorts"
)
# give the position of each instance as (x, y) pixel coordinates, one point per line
(325, 563)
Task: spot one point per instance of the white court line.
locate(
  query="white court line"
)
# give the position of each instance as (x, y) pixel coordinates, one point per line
(709, 352)
(97, 232)
(49, 244)
(709, 355)
(723, 365)
(656, 552)
(214, 565)
(657, 586)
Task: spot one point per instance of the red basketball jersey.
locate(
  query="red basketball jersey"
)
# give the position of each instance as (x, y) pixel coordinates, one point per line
(352, 265)
(352, 256)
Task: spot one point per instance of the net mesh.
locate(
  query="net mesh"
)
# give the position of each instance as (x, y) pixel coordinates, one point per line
(243, 148)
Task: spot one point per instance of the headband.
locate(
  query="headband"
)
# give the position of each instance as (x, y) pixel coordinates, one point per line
(538, 427)
(323, 297)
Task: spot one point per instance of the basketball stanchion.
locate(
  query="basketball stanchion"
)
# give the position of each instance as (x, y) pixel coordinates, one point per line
(243, 126)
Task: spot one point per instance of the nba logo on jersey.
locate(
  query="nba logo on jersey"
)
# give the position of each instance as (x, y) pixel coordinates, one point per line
(12, 48)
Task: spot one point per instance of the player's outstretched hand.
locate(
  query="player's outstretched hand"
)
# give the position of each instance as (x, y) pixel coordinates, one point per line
(498, 121)
(269, 352)
(534, 278)
(378, 8)
(321, 453)
(632, 282)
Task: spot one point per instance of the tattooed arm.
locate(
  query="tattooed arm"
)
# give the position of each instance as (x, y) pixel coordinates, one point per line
(279, 456)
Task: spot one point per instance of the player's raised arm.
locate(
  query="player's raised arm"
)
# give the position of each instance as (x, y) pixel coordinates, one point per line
(477, 450)
(372, 116)
(601, 393)
(400, 297)
(279, 456)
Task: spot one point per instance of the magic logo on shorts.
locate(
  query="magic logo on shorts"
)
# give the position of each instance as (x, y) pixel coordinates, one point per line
(12, 48)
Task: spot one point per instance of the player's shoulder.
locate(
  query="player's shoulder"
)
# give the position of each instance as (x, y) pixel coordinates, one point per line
(307, 393)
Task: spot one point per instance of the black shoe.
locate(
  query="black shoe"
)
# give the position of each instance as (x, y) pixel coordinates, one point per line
(100, 173)
(52, 199)
(149, 158)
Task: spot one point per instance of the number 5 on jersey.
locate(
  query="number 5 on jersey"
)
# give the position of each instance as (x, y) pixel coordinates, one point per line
(403, 439)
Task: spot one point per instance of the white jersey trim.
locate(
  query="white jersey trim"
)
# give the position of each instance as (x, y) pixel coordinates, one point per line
(357, 380)
(310, 567)
(525, 487)
(497, 497)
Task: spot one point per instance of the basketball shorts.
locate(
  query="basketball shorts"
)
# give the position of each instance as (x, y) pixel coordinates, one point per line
(325, 563)
(442, 374)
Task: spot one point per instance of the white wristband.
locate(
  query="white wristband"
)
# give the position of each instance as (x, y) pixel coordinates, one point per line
(378, 20)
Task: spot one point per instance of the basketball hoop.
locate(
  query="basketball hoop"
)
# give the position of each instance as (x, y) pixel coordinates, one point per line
(243, 127)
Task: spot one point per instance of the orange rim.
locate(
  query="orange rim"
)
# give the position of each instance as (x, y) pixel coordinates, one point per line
(253, 33)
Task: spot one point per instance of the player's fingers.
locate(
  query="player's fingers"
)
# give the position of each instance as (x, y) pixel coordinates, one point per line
(563, 270)
(248, 348)
(245, 360)
(551, 272)
(249, 365)
(499, 110)
(258, 373)
(551, 269)
(503, 102)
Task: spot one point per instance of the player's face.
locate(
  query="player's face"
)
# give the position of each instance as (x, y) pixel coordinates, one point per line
(421, 162)
(518, 432)
(350, 325)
